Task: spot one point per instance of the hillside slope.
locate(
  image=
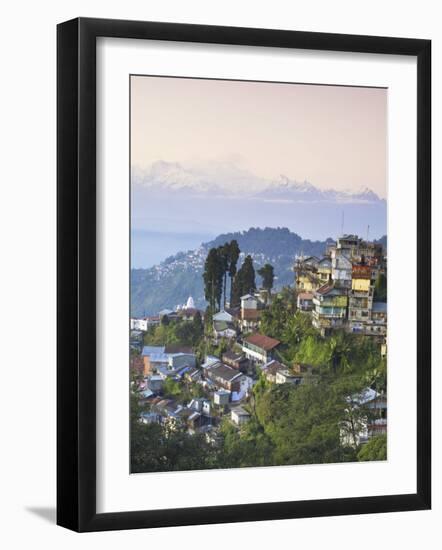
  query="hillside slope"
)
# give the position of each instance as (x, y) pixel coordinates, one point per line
(171, 282)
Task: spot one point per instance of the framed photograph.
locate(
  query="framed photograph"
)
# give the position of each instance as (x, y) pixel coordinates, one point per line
(243, 274)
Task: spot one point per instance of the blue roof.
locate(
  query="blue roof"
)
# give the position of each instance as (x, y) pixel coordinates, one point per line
(380, 307)
(183, 369)
(153, 350)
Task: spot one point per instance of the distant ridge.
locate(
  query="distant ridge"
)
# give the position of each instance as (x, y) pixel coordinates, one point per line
(171, 282)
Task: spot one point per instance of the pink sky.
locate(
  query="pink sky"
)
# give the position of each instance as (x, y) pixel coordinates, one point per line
(333, 136)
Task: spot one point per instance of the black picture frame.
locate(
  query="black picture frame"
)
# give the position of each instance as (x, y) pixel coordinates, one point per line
(76, 273)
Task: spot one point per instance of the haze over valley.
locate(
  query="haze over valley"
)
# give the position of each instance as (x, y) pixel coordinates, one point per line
(178, 206)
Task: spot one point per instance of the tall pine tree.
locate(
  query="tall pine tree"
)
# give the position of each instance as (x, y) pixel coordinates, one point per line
(234, 253)
(224, 253)
(268, 276)
(244, 281)
(248, 276)
(213, 278)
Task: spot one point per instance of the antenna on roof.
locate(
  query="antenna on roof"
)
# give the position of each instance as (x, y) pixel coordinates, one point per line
(342, 223)
(368, 231)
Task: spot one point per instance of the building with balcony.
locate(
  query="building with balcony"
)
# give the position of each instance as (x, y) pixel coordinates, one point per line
(330, 308)
(304, 301)
(348, 245)
(360, 298)
(324, 269)
(341, 269)
(378, 323)
(306, 275)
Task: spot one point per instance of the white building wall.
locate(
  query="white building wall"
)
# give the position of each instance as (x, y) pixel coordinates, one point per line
(139, 324)
(249, 303)
(251, 354)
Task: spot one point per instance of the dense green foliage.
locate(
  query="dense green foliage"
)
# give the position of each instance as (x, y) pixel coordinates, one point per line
(375, 449)
(303, 422)
(233, 256)
(244, 281)
(220, 264)
(213, 275)
(186, 333)
(182, 391)
(266, 272)
(272, 241)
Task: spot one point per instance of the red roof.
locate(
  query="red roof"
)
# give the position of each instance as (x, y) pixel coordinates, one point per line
(261, 341)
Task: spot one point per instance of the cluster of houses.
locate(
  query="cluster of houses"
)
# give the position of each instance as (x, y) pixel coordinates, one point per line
(226, 381)
(229, 322)
(184, 312)
(338, 289)
(227, 384)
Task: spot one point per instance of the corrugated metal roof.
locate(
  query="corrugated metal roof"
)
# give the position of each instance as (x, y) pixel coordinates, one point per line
(150, 350)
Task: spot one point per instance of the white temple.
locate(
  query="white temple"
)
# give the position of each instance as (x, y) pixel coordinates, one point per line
(190, 303)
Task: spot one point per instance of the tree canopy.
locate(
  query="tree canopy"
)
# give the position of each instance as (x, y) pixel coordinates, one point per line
(221, 263)
(267, 274)
(375, 449)
(244, 281)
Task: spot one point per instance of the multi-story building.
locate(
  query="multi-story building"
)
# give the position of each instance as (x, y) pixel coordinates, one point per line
(259, 348)
(348, 245)
(358, 250)
(378, 323)
(324, 269)
(342, 286)
(341, 268)
(304, 301)
(330, 308)
(370, 252)
(360, 298)
(306, 274)
(250, 313)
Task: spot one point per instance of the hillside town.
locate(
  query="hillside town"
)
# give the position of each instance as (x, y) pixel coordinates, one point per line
(209, 373)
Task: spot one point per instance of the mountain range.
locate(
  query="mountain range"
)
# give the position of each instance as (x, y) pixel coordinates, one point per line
(227, 179)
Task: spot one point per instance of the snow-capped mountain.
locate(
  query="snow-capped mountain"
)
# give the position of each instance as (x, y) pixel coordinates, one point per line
(215, 177)
(227, 179)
